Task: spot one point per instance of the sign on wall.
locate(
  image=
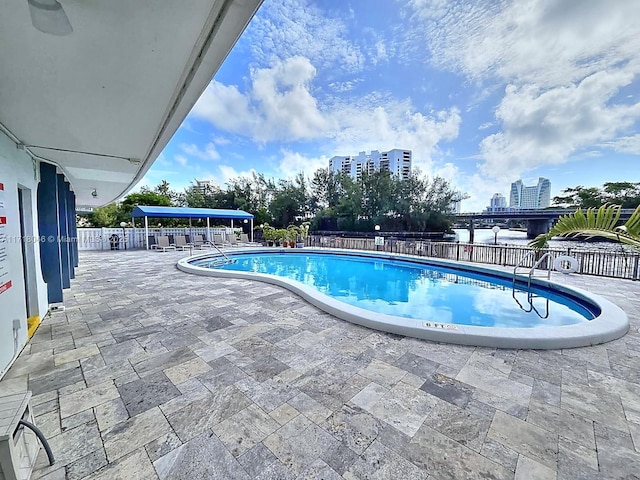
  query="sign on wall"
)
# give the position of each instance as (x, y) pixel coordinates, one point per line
(5, 279)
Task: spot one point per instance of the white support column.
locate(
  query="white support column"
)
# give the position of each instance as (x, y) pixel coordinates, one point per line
(146, 232)
(252, 230)
(208, 231)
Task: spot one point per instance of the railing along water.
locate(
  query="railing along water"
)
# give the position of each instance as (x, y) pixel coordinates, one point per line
(618, 264)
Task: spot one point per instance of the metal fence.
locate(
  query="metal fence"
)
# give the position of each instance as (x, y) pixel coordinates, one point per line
(618, 264)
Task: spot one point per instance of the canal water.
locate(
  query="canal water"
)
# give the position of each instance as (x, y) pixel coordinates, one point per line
(515, 237)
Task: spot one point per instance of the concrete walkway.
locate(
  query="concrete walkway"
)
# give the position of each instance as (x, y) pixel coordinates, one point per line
(154, 373)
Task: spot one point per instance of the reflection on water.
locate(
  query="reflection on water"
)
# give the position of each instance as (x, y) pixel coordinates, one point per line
(413, 291)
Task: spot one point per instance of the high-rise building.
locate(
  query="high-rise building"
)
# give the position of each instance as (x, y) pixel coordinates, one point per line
(536, 196)
(203, 186)
(397, 162)
(497, 204)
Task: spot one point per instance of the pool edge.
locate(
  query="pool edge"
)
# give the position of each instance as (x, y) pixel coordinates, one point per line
(612, 323)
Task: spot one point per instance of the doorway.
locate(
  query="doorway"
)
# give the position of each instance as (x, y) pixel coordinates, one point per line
(27, 239)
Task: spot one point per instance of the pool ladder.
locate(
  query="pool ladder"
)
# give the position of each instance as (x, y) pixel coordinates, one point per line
(531, 273)
(220, 262)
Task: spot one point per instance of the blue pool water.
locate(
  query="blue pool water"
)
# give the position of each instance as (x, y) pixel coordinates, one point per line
(412, 290)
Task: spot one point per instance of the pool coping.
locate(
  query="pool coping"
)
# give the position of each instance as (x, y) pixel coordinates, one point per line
(612, 323)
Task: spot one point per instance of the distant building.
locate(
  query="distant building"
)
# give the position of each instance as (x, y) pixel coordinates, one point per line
(456, 203)
(498, 204)
(397, 162)
(203, 186)
(536, 196)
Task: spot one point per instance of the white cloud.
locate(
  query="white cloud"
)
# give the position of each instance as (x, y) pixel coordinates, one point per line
(480, 189)
(289, 28)
(209, 152)
(286, 103)
(539, 41)
(342, 87)
(293, 163)
(394, 124)
(630, 144)
(547, 127)
(226, 107)
(562, 63)
(227, 172)
(182, 160)
(280, 106)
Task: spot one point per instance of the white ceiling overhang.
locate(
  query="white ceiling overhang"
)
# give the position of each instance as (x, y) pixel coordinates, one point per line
(103, 101)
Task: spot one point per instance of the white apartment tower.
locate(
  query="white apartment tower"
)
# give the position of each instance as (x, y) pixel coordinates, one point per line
(536, 196)
(397, 162)
(497, 204)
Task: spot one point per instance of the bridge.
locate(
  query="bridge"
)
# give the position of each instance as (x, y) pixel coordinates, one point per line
(538, 220)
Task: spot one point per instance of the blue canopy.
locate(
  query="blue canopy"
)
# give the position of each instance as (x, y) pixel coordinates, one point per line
(185, 212)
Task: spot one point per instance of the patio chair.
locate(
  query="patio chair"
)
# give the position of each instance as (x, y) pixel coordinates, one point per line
(218, 241)
(199, 242)
(233, 241)
(162, 244)
(244, 239)
(180, 242)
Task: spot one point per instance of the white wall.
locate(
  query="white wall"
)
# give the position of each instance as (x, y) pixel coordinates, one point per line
(16, 170)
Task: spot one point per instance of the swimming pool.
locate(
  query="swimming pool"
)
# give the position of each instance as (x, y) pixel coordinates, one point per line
(429, 299)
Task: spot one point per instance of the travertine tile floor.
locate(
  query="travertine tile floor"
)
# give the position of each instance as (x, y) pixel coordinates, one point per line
(154, 373)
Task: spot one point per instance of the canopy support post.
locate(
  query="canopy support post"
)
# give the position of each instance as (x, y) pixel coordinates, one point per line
(146, 232)
(208, 231)
(251, 229)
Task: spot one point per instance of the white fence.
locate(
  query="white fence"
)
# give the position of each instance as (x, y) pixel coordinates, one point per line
(129, 238)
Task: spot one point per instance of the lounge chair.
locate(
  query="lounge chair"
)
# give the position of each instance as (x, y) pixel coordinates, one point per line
(162, 244)
(218, 241)
(199, 241)
(180, 242)
(244, 239)
(233, 241)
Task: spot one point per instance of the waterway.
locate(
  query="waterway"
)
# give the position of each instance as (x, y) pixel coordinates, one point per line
(515, 237)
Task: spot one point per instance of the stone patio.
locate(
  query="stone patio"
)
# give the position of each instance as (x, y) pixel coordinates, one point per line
(154, 373)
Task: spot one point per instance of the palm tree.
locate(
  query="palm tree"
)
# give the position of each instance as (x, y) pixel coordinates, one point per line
(601, 222)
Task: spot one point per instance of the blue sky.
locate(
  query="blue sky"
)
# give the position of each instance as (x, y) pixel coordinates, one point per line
(482, 92)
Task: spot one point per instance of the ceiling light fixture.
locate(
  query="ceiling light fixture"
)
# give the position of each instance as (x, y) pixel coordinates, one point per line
(48, 16)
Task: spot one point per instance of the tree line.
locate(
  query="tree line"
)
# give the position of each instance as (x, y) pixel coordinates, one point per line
(328, 200)
(625, 194)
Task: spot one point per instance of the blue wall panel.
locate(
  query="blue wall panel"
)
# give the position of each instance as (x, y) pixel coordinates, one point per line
(63, 188)
(73, 232)
(48, 229)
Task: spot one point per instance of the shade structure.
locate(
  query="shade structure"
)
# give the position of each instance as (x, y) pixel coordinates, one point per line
(185, 212)
(147, 211)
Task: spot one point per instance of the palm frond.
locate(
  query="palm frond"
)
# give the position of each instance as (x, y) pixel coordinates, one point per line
(599, 222)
